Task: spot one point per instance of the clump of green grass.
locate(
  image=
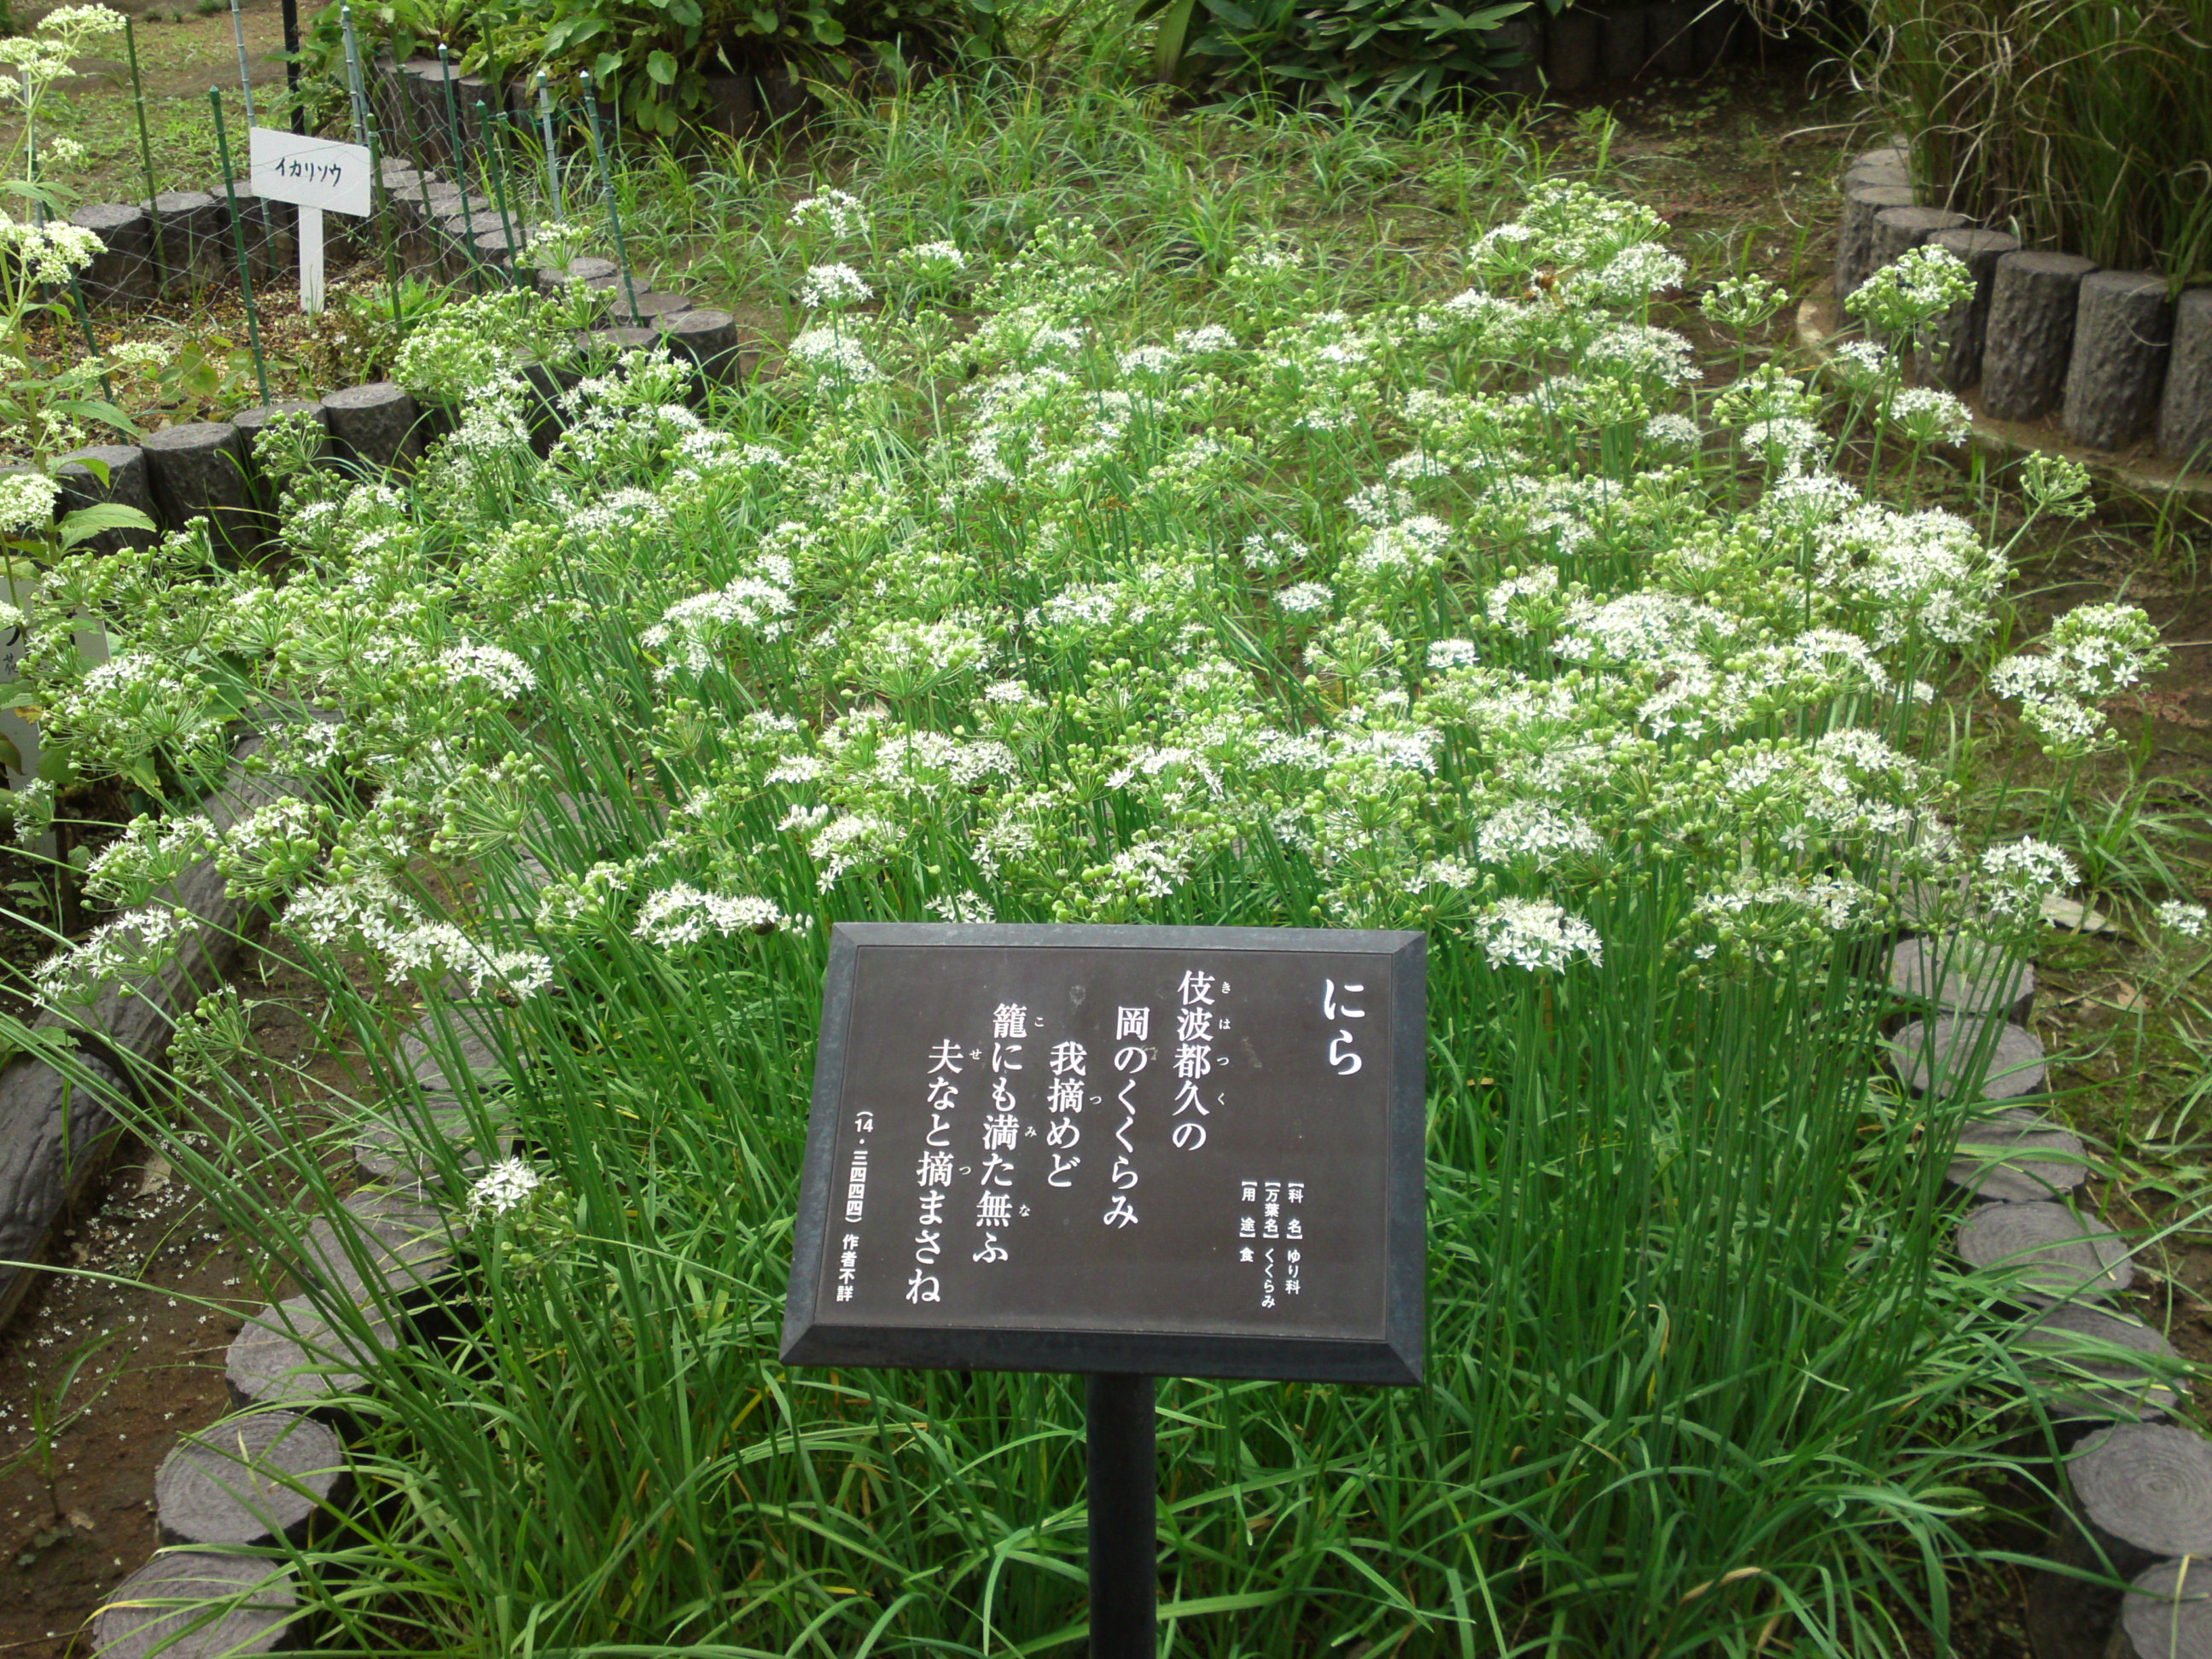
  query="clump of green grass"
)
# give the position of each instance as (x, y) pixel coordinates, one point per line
(2084, 126)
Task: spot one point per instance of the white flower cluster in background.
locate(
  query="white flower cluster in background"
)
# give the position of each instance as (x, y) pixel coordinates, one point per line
(835, 359)
(27, 502)
(1537, 935)
(835, 213)
(2183, 917)
(681, 914)
(2091, 654)
(134, 945)
(1478, 614)
(832, 288)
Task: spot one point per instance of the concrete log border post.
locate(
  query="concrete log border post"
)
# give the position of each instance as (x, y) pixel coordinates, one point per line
(2117, 361)
(2034, 298)
(252, 422)
(708, 338)
(1855, 257)
(197, 471)
(385, 1269)
(375, 427)
(2167, 1614)
(124, 271)
(1898, 230)
(128, 482)
(2137, 1507)
(187, 232)
(205, 469)
(2184, 415)
(1951, 357)
(2123, 335)
(2139, 1494)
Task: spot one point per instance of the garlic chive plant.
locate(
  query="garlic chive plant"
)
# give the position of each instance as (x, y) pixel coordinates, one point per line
(1466, 610)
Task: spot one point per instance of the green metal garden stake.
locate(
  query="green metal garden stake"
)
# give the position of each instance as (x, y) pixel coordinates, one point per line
(145, 144)
(460, 163)
(356, 92)
(245, 69)
(545, 132)
(497, 174)
(291, 15)
(381, 196)
(91, 345)
(238, 235)
(607, 185)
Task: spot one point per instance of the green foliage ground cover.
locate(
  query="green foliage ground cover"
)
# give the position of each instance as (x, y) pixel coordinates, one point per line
(1253, 570)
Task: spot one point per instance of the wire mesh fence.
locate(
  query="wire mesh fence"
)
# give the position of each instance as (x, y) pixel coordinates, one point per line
(469, 175)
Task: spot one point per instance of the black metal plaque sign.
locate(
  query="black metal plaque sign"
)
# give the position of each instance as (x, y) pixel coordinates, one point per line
(1169, 1151)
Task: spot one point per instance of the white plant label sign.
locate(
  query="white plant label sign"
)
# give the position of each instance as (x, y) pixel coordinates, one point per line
(316, 175)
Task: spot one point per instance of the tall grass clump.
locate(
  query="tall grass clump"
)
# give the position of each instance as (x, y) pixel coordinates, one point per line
(1043, 588)
(2083, 125)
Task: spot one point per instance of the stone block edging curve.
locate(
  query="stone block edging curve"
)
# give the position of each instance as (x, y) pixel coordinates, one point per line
(2052, 352)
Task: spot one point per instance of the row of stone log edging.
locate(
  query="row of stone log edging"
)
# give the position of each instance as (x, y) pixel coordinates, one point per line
(2137, 1486)
(2046, 334)
(58, 1099)
(388, 1265)
(207, 469)
(181, 243)
(66, 1101)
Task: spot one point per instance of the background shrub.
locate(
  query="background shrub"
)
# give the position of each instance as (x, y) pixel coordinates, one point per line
(1346, 51)
(656, 60)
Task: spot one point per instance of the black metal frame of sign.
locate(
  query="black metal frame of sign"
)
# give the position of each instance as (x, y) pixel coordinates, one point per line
(1127, 1151)
(1183, 1152)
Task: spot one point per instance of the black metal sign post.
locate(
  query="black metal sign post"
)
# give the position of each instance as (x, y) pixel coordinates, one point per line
(1120, 1152)
(1121, 1454)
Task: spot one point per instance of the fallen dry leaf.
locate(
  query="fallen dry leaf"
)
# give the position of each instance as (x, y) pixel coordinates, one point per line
(2076, 917)
(2121, 996)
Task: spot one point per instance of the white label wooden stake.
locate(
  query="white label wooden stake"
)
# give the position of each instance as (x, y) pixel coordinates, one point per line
(311, 260)
(315, 175)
